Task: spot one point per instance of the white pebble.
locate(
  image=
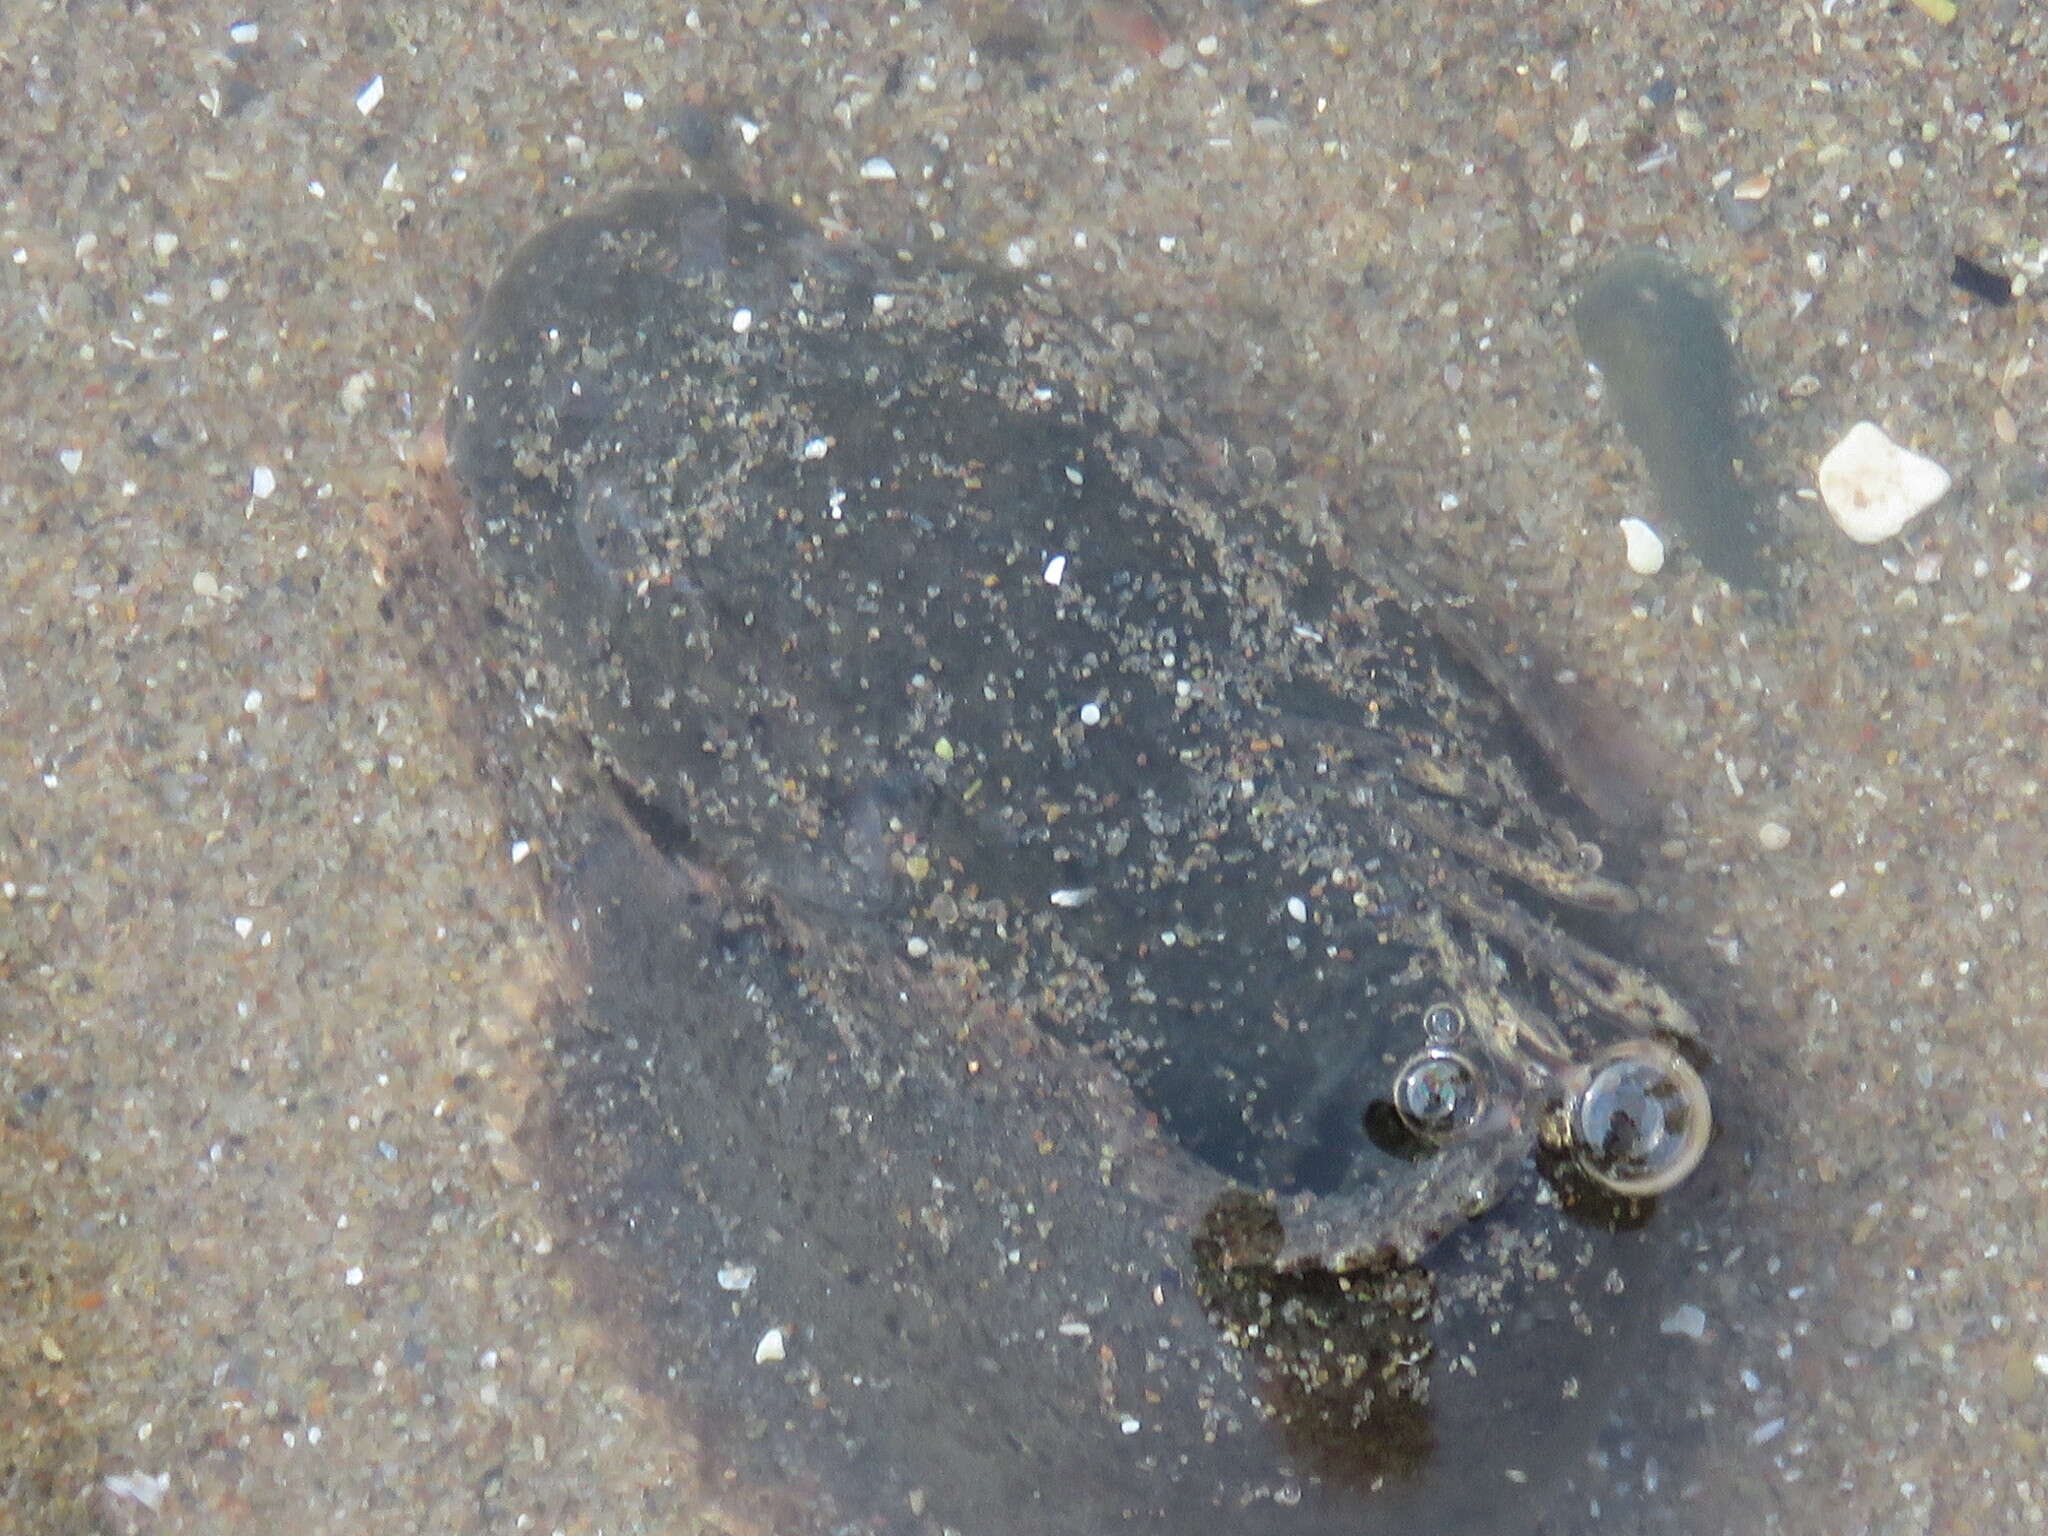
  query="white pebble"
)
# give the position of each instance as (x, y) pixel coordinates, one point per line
(72, 459)
(1641, 546)
(1297, 909)
(735, 1277)
(370, 95)
(769, 1350)
(1055, 570)
(742, 321)
(1773, 836)
(1091, 714)
(916, 947)
(1686, 1322)
(262, 482)
(1872, 487)
(876, 168)
(1073, 896)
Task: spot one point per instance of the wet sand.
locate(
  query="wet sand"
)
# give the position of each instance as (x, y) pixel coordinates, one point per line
(270, 963)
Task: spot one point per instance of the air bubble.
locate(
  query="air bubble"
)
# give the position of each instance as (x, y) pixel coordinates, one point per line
(1442, 1022)
(1641, 1123)
(1437, 1094)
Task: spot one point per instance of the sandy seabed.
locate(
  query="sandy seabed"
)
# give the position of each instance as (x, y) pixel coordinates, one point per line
(268, 1255)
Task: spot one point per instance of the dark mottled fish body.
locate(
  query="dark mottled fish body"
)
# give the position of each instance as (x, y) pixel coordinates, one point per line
(1008, 873)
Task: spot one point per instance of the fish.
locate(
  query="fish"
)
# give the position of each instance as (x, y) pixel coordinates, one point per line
(1109, 976)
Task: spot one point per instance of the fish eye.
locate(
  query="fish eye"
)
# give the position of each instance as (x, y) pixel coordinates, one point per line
(1438, 1094)
(1640, 1124)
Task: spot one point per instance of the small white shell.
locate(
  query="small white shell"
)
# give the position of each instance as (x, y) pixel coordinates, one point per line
(1642, 547)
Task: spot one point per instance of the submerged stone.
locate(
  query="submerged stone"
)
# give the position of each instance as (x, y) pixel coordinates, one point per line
(1873, 487)
(1656, 333)
(1106, 971)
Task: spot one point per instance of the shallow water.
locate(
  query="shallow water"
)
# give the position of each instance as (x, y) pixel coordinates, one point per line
(1011, 873)
(270, 1236)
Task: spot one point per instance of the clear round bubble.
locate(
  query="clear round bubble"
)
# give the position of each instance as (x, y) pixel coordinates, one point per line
(1442, 1022)
(1437, 1094)
(1640, 1124)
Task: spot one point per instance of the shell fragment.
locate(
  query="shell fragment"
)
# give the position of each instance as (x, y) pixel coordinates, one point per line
(1642, 546)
